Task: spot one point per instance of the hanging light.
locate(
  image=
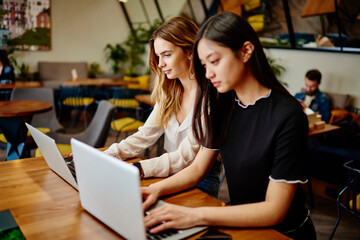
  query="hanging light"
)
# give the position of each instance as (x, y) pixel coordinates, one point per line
(123, 0)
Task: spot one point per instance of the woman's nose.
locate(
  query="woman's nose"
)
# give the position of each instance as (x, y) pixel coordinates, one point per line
(209, 74)
(161, 63)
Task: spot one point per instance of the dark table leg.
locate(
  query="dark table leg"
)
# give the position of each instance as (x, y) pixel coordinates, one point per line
(15, 132)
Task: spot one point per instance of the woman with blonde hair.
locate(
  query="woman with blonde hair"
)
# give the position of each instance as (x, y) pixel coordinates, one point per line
(170, 58)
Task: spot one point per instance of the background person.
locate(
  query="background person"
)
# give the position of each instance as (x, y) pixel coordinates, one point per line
(171, 47)
(259, 129)
(312, 97)
(7, 71)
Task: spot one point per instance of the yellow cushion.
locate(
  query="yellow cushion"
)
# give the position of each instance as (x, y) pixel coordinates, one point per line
(251, 4)
(126, 124)
(143, 82)
(125, 103)
(357, 203)
(64, 148)
(41, 129)
(338, 115)
(73, 101)
(257, 22)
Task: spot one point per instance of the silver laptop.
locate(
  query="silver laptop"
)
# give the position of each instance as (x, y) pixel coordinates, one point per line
(52, 155)
(110, 190)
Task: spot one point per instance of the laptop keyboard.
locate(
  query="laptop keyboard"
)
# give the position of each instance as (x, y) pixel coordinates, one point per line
(160, 235)
(69, 162)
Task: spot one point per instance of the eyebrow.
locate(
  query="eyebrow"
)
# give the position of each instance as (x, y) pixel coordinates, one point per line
(163, 52)
(209, 55)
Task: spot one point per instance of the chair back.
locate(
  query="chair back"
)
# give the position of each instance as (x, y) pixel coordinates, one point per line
(47, 119)
(352, 199)
(124, 99)
(96, 133)
(338, 100)
(75, 96)
(142, 82)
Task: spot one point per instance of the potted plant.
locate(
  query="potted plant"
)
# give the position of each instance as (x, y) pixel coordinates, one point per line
(117, 55)
(277, 69)
(128, 56)
(94, 70)
(23, 72)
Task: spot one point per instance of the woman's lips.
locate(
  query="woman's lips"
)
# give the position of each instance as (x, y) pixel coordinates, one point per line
(216, 84)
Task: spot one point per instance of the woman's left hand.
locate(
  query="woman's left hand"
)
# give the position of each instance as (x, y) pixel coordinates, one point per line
(171, 216)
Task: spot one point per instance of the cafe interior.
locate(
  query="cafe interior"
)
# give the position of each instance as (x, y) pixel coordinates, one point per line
(87, 52)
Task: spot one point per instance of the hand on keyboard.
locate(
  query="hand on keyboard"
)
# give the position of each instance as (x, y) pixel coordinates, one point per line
(68, 159)
(171, 216)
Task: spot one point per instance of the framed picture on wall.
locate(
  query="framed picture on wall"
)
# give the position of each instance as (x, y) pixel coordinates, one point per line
(25, 25)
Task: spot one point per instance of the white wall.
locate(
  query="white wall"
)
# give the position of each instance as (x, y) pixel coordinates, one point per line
(80, 31)
(82, 28)
(340, 71)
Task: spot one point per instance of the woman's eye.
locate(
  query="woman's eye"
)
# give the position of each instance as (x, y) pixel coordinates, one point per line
(214, 62)
(167, 55)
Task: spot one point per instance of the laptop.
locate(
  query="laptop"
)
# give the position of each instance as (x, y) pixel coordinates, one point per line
(53, 157)
(110, 190)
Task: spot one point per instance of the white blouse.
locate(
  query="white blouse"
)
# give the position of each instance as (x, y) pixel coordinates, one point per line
(179, 143)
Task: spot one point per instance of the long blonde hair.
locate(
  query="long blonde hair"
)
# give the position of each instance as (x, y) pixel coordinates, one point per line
(181, 32)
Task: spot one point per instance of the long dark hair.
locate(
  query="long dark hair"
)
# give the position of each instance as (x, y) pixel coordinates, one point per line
(4, 59)
(213, 109)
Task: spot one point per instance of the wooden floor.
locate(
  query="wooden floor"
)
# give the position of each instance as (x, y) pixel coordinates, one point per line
(323, 213)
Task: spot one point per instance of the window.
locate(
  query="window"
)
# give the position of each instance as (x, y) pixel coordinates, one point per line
(307, 24)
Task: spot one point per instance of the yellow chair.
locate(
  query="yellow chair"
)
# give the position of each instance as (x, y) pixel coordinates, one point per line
(251, 4)
(41, 129)
(125, 125)
(349, 197)
(64, 148)
(77, 98)
(143, 82)
(127, 107)
(257, 22)
(125, 103)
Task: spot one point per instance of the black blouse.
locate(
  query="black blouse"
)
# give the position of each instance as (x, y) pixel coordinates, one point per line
(266, 140)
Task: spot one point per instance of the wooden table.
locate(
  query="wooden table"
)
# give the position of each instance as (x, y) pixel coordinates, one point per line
(32, 84)
(6, 89)
(13, 115)
(46, 207)
(318, 7)
(327, 129)
(145, 98)
(98, 82)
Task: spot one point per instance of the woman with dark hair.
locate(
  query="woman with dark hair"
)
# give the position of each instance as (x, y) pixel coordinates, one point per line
(7, 71)
(259, 129)
(170, 58)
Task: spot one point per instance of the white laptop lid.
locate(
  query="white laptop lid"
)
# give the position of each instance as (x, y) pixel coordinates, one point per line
(52, 155)
(110, 190)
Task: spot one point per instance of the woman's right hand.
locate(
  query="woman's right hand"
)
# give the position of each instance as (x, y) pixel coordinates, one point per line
(150, 195)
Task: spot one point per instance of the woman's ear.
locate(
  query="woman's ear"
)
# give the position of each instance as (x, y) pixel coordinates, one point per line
(247, 51)
(190, 55)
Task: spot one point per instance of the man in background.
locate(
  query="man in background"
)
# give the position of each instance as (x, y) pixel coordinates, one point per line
(312, 97)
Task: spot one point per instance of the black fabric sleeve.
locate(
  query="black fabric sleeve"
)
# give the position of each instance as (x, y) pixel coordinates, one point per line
(290, 149)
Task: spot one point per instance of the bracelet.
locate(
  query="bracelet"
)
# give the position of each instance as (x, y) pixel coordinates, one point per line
(138, 165)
